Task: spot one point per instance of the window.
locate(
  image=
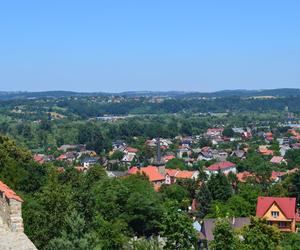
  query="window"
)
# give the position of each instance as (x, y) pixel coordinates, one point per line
(282, 224)
(275, 214)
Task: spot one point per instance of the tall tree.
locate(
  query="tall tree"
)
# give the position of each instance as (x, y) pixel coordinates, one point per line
(219, 187)
(259, 235)
(178, 229)
(204, 199)
(224, 236)
(73, 237)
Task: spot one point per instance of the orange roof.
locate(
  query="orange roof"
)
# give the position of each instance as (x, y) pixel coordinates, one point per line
(276, 159)
(131, 150)
(185, 174)
(265, 151)
(242, 176)
(151, 171)
(275, 174)
(9, 193)
(169, 157)
(38, 158)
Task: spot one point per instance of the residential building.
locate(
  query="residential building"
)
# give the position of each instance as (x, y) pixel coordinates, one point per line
(225, 167)
(206, 232)
(173, 174)
(278, 160)
(278, 211)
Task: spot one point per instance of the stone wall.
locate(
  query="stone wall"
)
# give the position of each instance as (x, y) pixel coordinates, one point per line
(11, 213)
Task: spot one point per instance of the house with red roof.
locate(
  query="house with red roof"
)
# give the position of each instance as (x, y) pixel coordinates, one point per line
(225, 167)
(168, 176)
(214, 132)
(168, 158)
(244, 176)
(277, 176)
(173, 174)
(278, 211)
(269, 136)
(129, 155)
(278, 160)
(152, 172)
(263, 150)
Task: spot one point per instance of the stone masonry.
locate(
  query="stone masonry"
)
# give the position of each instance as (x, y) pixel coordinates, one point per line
(12, 235)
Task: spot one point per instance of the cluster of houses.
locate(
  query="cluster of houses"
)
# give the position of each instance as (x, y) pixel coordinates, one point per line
(188, 150)
(71, 154)
(281, 212)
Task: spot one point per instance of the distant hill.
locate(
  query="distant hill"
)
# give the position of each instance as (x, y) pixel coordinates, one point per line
(284, 92)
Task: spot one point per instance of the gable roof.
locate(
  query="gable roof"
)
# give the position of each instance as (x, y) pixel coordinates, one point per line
(243, 176)
(9, 193)
(183, 174)
(286, 204)
(151, 171)
(208, 226)
(276, 159)
(132, 150)
(221, 166)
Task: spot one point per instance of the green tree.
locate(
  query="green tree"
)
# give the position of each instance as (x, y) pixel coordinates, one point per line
(224, 236)
(228, 132)
(117, 155)
(177, 193)
(53, 206)
(91, 135)
(295, 186)
(176, 164)
(108, 235)
(73, 237)
(259, 235)
(291, 242)
(204, 198)
(178, 229)
(219, 187)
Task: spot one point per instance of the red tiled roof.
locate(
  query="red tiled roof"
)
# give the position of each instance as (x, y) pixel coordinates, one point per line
(9, 193)
(131, 150)
(171, 172)
(169, 157)
(214, 130)
(220, 166)
(181, 174)
(275, 174)
(185, 174)
(151, 171)
(286, 204)
(265, 151)
(242, 176)
(276, 159)
(61, 157)
(38, 158)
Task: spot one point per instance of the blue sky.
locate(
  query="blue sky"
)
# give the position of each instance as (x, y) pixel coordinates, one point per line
(149, 45)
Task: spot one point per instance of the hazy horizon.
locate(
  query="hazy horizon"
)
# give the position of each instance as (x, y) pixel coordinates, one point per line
(116, 46)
